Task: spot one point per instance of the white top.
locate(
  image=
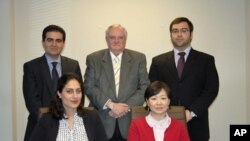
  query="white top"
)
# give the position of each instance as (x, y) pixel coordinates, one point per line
(159, 127)
(76, 133)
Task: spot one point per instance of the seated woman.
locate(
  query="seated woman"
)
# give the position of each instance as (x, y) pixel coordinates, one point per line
(66, 119)
(157, 125)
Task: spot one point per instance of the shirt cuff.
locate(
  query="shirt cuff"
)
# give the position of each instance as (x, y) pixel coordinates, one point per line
(193, 114)
(108, 105)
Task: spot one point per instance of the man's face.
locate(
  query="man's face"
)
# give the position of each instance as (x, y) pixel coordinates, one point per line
(181, 36)
(53, 44)
(116, 40)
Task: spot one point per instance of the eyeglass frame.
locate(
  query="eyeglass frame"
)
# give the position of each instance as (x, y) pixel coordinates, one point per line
(182, 31)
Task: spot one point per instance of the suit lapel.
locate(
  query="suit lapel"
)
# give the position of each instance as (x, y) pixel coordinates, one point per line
(171, 61)
(108, 68)
(65, 65)
(46, 74)
(189, 63)
(125, 70)
(88, 126)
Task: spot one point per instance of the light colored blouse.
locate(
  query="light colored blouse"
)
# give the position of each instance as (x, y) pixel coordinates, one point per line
(159, 127)
(76, 133)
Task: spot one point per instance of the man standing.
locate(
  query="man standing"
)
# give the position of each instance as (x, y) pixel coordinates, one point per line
(191, 75)
(115, 80)
(41, 74)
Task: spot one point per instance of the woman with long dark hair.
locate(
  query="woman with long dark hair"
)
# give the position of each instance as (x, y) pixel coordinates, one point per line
(66, 119)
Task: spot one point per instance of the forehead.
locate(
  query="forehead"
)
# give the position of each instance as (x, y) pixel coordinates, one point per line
(180, 25)
(116, 31)
(161, 93)
(54, 34)
(72, 83)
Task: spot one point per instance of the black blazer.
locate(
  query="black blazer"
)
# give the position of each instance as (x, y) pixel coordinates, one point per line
(47, 127)
(196, 89)
(37, 85)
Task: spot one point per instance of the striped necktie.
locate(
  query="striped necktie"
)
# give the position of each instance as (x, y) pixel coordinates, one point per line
(116, 67)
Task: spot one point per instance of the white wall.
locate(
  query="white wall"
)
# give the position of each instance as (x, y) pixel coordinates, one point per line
(219, 29)
(6, 91)
(248, 58)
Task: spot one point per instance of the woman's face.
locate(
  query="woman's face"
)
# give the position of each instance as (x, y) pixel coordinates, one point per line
(159, 103)
(71, 95)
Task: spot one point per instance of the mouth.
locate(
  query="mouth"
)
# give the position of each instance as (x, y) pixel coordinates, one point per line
(74, 101)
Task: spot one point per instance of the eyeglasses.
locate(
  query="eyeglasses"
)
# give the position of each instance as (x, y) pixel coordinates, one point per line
(183, 31)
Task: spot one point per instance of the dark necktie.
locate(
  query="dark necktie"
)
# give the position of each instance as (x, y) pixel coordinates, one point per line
(180, 64)
(55, 76)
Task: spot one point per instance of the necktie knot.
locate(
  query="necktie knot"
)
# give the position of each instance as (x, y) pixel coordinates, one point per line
(116, 60)
(54, 64)
(182, 54)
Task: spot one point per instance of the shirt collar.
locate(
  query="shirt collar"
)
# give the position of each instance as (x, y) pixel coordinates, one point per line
(50, 60)
(162, 124)
(187, 50)
(113, 56)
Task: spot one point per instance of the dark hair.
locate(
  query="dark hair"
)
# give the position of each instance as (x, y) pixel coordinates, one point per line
(154, 88)
(54, 28)
(179, 20)
(56, 107)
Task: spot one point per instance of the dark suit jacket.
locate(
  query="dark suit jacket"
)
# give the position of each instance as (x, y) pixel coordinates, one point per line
(37, 85)
(47, 127)
(99, 85)
(196, 89)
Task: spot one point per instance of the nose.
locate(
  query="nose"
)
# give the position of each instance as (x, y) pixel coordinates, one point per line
(54, 43)
(116, 40)
(179, 33)
(158, 102)
(75, 94)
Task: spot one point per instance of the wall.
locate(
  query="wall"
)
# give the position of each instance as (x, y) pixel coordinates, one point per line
(6, 60)
(248, 58)
(220, 30)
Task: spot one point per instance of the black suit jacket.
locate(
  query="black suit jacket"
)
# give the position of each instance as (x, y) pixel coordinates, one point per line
(47, 127)
(37, 85)
(196, 89)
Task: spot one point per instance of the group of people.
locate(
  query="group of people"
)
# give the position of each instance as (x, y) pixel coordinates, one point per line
(115, 80)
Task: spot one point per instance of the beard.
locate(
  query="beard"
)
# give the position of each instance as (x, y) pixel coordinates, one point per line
(181, 44)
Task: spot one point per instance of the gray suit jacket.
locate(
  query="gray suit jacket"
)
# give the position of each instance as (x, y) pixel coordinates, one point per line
(99, 85)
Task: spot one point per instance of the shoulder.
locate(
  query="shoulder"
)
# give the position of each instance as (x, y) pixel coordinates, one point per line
(89, 114)
(163, 56)
(133, 52)
(35, 61)
(47, 119)
(201, 54)
(176, 123)
(98, 53)
(139, 121)
(67, 59)
(134, 55)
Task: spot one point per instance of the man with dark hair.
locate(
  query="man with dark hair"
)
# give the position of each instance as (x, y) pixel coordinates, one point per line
(191, 76)
(41, 74)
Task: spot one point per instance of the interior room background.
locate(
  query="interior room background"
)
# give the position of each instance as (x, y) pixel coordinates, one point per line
(221, 28)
